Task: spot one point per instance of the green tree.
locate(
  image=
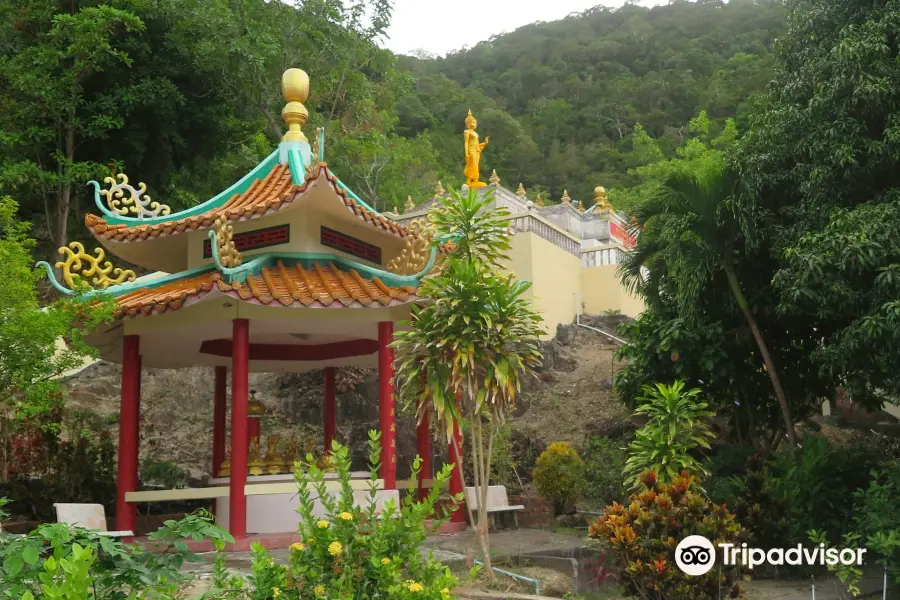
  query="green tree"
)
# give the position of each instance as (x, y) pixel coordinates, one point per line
(51, 111)
(822, 154)
(32, 359)
(688, 231)
(466, 351)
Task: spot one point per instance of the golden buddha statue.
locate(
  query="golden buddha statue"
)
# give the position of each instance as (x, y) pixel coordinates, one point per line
(255, 463)
(273, 459)
(473, 152)
(291, 455)
(225, 468)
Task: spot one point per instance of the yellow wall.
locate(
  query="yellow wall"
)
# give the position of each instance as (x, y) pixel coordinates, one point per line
(555, 276)
(602, 291)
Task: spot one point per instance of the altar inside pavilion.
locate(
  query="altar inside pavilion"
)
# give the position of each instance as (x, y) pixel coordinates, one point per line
(287, 270)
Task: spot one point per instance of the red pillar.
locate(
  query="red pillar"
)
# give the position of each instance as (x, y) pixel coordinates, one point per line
(386, 405)
(237, 502)
(128, 427)
(329, 410)
(456, 478)
(423, 449)
(219, 403)
(137, 421)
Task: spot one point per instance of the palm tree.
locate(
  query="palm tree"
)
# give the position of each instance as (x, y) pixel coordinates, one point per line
(466, 350)
(687, 235)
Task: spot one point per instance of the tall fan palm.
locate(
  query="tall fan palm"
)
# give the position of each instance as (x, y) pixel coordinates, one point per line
(687, 235)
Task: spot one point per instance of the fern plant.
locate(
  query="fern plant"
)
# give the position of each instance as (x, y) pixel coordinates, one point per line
(678, 426)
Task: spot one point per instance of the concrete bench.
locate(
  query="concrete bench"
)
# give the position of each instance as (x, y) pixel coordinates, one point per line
(87, 516)
(497, 503)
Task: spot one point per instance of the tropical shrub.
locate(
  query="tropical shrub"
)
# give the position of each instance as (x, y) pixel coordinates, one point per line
(351, 551)
(559, 475)
(604, 461)
(644, 534)
(59, 561)
(677, 427)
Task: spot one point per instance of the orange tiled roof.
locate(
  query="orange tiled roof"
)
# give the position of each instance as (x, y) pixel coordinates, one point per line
(264, 196)
(278, 284)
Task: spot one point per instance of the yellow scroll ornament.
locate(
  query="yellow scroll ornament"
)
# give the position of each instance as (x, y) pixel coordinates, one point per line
(79, 266)
(417, 252)
(229, 257)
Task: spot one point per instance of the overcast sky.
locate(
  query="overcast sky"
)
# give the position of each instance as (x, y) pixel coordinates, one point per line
(440, 26)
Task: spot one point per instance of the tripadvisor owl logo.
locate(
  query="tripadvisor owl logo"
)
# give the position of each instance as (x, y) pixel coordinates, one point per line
(696, 556)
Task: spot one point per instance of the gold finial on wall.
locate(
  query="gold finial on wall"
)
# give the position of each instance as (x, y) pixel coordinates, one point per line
(539, 200)
(600, 199)
(580, 206)
(473, 149)
(410, 205)
(439, 189)
(295, 91)
(565, 197)
(494, 178)
(521, 191)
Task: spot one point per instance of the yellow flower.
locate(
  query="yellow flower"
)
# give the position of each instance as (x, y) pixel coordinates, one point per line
(335, 548)
(298, 546)
(276, 592)
(323, 524)
(415, 586)
(385, 561)
(445, 593)
(319, 590)
(346, 516)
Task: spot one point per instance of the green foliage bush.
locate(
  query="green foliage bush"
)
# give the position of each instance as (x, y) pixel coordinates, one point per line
(559, 475)
(58, 561)
(676, 429)
(604, 462)
(644, 534)
(352, 552)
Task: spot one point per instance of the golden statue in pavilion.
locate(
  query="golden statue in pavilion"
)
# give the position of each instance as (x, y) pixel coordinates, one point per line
(473, 152)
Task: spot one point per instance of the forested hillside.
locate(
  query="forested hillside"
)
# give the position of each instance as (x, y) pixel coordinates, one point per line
(561, 99)
(185, 96)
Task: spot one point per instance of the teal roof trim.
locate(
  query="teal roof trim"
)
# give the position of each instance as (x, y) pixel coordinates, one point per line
(239, 187)
(295, 164)
(251, 267)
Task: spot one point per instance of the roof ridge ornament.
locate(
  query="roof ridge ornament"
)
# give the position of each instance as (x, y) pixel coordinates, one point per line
(409, 205)
(295, 91)
(539, 200)
(137, 203)
(227, 254)
(520, 192)
(439, 189)
(81, 268)
(565, 197)
(494, 178)
(415, 256)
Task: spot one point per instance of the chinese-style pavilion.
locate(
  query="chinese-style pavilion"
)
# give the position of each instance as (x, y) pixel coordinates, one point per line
(287, 270)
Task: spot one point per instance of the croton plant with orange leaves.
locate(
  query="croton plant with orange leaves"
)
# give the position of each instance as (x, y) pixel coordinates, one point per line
(644, 534)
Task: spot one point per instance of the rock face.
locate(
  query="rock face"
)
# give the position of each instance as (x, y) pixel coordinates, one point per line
(570, 392)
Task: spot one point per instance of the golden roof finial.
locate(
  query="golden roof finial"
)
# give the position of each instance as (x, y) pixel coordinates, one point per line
(439, 189)
(494, 178)
(580, 206)
(539, 201)
(521, 191)
(565, 197)
(600, 199)
(410, 205)
(295, 90)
